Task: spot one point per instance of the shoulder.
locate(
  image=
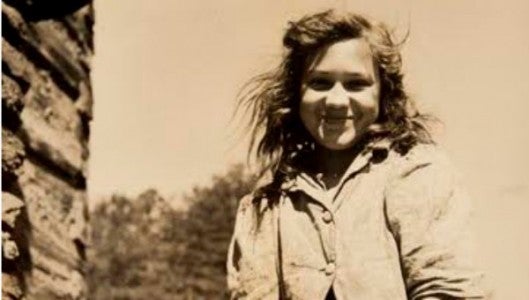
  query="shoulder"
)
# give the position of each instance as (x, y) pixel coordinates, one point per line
(255, 206)
(261, 200)
(424, 174)
(245, 203)
(429, 158)
(426, 188)
(254, 221)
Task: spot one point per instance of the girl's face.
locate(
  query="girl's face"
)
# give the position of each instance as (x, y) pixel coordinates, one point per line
(340, 94)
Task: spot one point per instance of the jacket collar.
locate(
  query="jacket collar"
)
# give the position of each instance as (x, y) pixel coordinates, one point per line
(373, 152)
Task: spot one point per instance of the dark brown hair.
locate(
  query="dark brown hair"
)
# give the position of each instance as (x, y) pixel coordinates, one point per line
(272, 99)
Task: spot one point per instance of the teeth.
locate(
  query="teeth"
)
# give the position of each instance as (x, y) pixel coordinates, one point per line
(335, 117)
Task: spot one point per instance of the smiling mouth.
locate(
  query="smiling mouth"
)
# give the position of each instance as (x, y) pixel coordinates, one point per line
(335, 119)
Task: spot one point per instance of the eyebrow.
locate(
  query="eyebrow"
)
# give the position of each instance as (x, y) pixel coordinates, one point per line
(350, 75)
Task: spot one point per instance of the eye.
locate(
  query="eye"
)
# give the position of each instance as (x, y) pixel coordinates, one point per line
(356, 85)
(320, 84)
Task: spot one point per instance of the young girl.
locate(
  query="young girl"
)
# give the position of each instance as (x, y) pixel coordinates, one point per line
(359, 203)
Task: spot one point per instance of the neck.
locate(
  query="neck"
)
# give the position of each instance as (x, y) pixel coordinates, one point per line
(334, 163)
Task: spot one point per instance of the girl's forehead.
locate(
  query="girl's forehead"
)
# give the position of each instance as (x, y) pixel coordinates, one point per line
(350, 55)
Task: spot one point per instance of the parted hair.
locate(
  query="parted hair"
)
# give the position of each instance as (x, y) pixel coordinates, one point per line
(278, 137)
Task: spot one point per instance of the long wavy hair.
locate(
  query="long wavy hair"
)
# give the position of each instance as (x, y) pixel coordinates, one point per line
(278, 137)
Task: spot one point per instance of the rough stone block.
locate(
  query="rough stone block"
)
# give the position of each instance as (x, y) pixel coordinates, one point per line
(64, 52)
(80, 24)
(50, 120)
(12, 155)
(56, 145)
(48, 43)
(58, 215)
(11, 95)
(11, 208)
(9, 247)
(11, 287)
(13, 90)
(50, 279)
(84, 103)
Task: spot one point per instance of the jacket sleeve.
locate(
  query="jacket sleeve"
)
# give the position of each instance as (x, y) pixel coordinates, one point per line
(234, 250)
(428, 213)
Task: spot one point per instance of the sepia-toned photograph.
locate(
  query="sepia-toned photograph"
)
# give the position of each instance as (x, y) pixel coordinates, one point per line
(317, 149)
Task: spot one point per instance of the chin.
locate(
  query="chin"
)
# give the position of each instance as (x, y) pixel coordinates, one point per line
(337, 145)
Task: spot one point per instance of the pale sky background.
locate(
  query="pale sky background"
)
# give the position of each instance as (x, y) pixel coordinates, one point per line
(166, 73)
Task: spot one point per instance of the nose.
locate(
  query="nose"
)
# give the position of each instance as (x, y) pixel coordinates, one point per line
(337, 97)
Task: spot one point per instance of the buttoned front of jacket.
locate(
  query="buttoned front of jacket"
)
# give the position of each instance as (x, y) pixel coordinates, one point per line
(395, 228)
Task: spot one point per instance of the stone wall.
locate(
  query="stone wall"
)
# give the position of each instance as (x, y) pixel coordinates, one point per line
(46, 109)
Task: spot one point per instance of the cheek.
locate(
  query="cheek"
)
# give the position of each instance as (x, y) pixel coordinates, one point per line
(372, 108)
(310, 101)
(308, 111)
(310, 97)
(369, 104)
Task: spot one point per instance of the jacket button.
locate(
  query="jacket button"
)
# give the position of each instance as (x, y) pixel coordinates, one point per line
(329, 268)
(327, 217)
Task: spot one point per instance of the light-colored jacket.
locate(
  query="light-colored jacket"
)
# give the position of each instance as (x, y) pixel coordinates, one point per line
(396, 228)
